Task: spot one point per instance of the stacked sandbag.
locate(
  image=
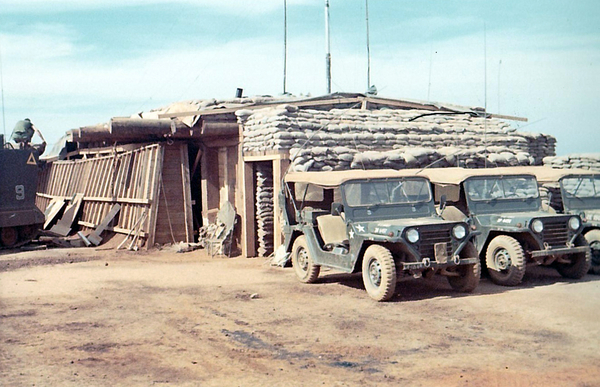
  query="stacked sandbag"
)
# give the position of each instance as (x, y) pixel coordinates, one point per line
(581, 160)
(264, 208)
(343, 158)
(286, 127)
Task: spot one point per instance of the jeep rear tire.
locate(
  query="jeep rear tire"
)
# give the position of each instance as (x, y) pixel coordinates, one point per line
(303, 264)
(468, 275)
(505, 253)
(379, 273)
(593, 238)
(580, 262)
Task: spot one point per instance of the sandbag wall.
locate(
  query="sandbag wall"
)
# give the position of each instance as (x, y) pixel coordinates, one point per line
(583, 160)
(263, 172)
(352, 138)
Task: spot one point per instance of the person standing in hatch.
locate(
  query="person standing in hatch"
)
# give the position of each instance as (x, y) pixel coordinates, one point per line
(23, 133)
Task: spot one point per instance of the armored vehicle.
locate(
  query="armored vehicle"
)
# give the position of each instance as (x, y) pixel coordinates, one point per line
(382, 223)
(575, 191)
(20, 219)
(505, 206)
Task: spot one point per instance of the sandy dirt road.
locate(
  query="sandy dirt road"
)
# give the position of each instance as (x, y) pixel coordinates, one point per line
(104, 318)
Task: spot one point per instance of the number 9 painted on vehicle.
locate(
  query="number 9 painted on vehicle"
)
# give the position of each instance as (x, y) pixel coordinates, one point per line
(20, 191)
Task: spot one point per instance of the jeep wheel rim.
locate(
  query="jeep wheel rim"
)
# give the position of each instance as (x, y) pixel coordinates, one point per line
(375, 272)
(502, 259)
(303, 259)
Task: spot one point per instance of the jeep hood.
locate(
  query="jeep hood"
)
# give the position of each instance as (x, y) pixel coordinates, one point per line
(397, 224)
(513, 219)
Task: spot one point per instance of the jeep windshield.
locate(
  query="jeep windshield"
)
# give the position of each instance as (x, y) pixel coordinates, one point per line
(503, 194)
(387, 191)
(377, 199)
(581, 192)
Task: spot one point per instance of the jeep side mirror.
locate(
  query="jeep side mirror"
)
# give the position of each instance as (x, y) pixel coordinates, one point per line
(337, 209)
(442, 203)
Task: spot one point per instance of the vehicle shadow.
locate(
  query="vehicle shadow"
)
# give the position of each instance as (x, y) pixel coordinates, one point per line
(411, 289)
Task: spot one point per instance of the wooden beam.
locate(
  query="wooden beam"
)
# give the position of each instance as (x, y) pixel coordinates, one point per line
(249, 213)
(98, 199)
(280, 166)
(511, 118)
(156, 191)
(273, 155)
(196, 161)
(219, 142)
(187, 194)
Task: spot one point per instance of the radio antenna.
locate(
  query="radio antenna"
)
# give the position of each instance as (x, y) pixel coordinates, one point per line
(368, 47)
(327, 47)
(485, 96)
(284, 45)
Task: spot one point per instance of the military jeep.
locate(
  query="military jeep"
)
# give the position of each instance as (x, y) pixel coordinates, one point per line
(505, 206)
(575, 191)
(379, 222)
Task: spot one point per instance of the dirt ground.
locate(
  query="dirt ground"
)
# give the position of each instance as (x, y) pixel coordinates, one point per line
(85, 317)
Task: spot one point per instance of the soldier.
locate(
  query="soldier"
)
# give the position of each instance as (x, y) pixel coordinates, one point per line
(23, 133)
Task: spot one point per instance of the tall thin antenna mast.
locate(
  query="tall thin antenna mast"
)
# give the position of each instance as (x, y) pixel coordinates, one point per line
(499, 67)
(430, 67)
(327, 47)
(2, 93)
(368, 46)
(284, 45)
(485, 94)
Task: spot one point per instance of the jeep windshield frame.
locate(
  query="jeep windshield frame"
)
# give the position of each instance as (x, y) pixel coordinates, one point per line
(580, 192)
(387, 198)
(502, 194)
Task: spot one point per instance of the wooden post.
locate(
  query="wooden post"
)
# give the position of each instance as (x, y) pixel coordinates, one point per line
(187, 194)
(155, 197)
(248, 213)
(280, 166)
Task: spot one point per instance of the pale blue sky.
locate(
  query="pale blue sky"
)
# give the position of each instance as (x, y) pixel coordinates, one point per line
(72, 63)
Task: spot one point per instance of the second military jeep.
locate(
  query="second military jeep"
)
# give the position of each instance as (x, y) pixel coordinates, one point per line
(380, 222)
(576, 191)
(505, 206)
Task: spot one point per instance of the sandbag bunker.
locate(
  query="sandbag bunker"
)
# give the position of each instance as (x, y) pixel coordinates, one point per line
(214, 153)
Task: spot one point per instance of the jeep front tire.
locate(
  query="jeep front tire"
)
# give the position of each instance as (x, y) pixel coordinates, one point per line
(506, 254)
(379, 273)
(593, 238)
(303, 264)
(467, 277)
(580, 262)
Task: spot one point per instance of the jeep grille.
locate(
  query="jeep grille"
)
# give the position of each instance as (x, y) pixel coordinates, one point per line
(556, 232)
(429, 236)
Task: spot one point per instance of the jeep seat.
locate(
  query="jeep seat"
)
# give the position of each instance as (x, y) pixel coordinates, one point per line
(332, 229)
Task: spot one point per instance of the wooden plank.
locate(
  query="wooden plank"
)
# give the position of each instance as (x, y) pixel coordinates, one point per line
(94, 237)
(54, 208)
(152, 218)
(279, 168)
(249, 214)
(187, 194)
(98, 199)
(63, 226)
(273, 155)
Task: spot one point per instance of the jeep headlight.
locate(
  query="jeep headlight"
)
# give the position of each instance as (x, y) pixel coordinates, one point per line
(537, 226)
(574, 223)
(459, 231)
(412, 235)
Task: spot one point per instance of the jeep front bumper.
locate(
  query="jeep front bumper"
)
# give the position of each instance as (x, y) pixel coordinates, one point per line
(427, 263)
(561, 251)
